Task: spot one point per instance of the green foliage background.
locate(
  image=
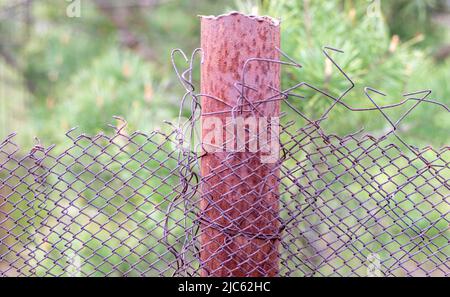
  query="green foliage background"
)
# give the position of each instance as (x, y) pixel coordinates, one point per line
(78, 81)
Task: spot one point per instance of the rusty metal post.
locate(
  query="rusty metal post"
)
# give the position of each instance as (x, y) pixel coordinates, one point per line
(239, 220)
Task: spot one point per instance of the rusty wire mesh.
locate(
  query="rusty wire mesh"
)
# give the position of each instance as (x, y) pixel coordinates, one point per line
(130, 203)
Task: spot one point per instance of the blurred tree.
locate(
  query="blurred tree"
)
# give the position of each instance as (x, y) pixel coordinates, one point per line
(373, 57)
(409, 18)
(52, 55)
(50, 52)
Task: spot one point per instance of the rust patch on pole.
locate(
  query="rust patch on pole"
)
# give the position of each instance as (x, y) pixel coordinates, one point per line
(239, 219)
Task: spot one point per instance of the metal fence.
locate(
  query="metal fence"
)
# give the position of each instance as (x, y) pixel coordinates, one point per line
(137, 204)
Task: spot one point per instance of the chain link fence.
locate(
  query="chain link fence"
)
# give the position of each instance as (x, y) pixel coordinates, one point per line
(138, 204)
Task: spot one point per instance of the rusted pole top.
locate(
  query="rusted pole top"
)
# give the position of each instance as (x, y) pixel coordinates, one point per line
(239, 219)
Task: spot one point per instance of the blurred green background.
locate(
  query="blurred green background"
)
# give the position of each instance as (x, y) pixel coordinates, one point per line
(57, 72)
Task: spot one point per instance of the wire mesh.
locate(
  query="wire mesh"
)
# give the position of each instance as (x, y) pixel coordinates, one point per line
(121, 204)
